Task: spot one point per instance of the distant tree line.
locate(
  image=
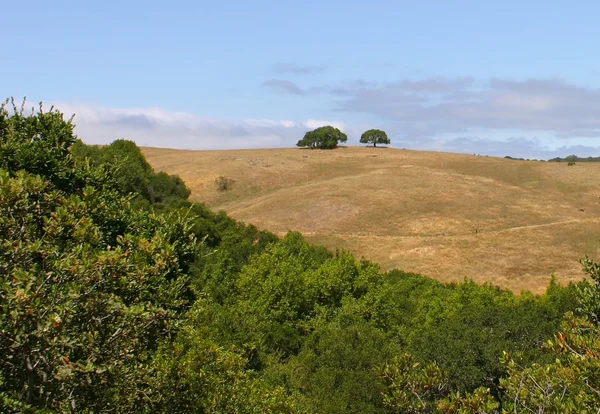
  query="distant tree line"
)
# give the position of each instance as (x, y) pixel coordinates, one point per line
(508, 157)
(567, 159)
(575, 158)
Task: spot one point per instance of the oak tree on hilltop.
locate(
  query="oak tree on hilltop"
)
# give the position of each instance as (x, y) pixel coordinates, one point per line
(326, 137)
(374, 136)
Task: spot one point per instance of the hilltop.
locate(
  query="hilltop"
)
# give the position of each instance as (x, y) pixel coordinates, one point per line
(448, 216)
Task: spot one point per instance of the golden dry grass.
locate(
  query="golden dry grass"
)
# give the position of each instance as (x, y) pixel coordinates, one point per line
(448, 216)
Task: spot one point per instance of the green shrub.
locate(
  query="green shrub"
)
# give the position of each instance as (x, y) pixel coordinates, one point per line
(223, 183)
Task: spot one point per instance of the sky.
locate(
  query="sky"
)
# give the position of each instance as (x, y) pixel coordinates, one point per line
(518, 78)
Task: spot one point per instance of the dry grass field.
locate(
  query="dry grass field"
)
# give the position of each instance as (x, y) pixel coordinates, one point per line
(447, 216)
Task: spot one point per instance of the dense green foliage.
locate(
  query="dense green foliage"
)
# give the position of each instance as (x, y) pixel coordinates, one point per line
(326, 137)
(374, 137)
(130, 171)
(117, 294)
(94, 287)
(89, 284)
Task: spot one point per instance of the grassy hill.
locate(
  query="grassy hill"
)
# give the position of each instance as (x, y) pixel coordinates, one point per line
(448, 216)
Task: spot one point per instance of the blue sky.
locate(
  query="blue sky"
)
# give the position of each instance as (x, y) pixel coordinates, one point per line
(517, 78)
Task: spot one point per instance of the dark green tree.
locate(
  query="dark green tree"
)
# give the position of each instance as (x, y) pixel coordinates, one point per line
(195, 375)
(131, 171)
(326, 137)
(338, 367)
(37, 144)
(374, 136)
(467, 331)
(94, 289)
(572, 382)
(571, 158)
(89, 286)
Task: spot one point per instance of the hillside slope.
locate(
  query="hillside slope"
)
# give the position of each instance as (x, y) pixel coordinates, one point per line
(448, 216)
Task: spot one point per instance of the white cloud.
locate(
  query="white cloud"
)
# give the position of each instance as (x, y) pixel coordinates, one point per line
(160, 128)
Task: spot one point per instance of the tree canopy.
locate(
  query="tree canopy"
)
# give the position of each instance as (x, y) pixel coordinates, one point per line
(374, 136)
(326, 137)
(118, 294)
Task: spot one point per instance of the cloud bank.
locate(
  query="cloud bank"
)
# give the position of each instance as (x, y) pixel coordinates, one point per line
(446, 105)
(533, 118)
(547, 117)
(159, 128)
(460, 105)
